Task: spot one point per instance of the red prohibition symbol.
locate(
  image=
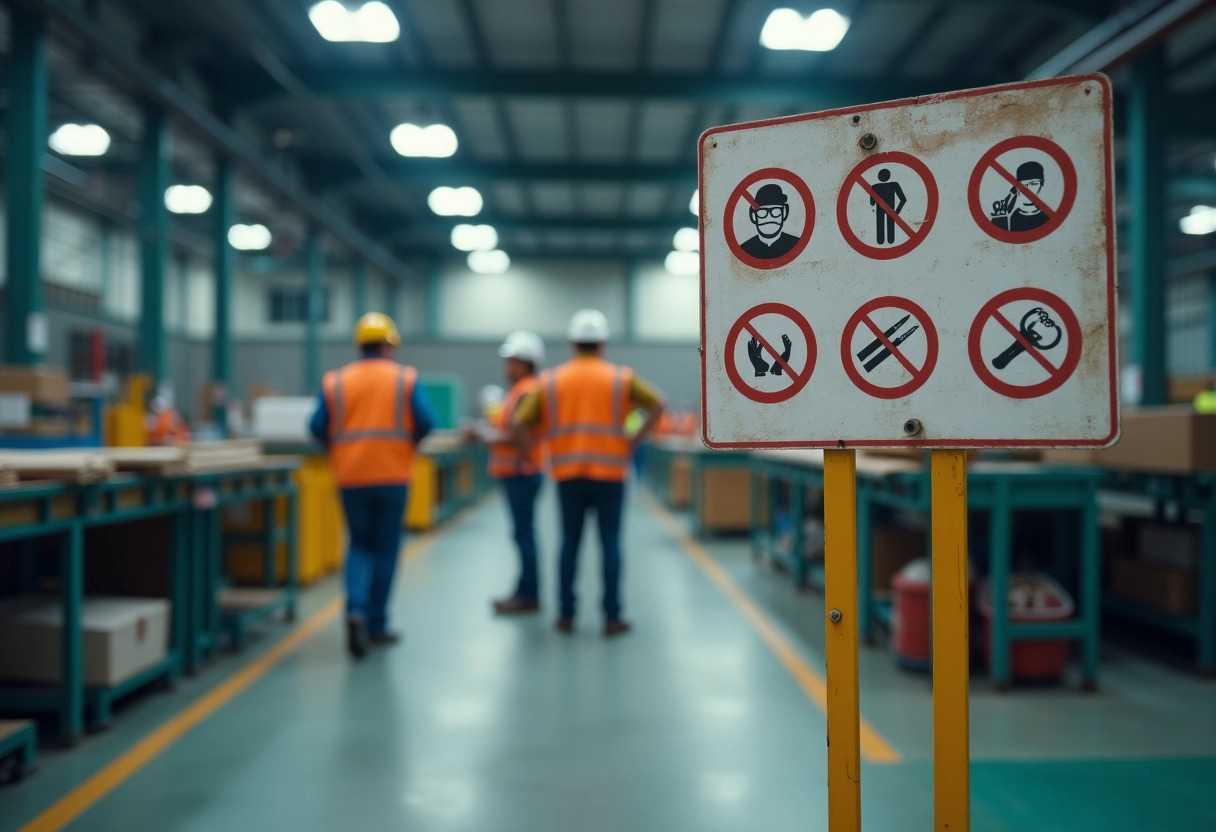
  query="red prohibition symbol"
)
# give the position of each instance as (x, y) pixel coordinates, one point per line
(741, 192)
(1022, 186)
(746, 326)
(886, 345)
(856, 179)
(1035, 333)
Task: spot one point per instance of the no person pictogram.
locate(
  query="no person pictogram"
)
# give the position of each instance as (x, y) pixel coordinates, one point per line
(799, 351)
(901, 320)
(1035, 326)
(1024, 214)
(886, 213)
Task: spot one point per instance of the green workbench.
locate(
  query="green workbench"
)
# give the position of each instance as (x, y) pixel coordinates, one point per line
(18, 749)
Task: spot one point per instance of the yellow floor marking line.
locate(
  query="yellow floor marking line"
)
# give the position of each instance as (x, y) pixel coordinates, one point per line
(76, 802)
(874, 748)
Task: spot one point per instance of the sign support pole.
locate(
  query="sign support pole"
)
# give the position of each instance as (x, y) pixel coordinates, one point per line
(840, 595)
(951, 725)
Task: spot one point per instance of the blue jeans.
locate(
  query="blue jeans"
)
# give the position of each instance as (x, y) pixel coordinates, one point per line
(521, 500)
(576, 498)
(374, 517)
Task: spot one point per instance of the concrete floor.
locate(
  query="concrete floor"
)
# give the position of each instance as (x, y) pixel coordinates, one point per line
(690, 723)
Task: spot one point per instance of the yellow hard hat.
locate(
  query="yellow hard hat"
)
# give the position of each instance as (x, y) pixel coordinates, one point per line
(376, 328)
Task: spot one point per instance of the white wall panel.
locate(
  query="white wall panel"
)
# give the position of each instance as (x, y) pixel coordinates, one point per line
(667, 306)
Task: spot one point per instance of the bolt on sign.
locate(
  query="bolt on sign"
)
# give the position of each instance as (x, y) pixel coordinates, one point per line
(936, 272)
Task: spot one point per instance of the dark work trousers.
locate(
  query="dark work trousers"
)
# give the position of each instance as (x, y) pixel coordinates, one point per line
(577, 497)
(521, 500)
(374, 517)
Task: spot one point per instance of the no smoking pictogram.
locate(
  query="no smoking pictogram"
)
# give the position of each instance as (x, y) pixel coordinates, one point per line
(894, 201)
(773, 347)
(1024, 327)
(775, 219)
(889, 347)
(1022, 189)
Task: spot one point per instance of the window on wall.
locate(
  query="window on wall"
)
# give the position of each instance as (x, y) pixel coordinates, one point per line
(289, 305)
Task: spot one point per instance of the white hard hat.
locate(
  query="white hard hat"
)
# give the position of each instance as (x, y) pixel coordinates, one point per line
(588, 326)
(526, 346)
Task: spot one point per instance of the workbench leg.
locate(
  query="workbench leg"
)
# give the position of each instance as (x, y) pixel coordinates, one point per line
(71, 591)
(193, 590)
(797, 559)
(270, 564)
(865, 567)
(179, 581)
(215, 556)
(1091, 592)
(292, 545)
(1000, 545)
(1206, 638)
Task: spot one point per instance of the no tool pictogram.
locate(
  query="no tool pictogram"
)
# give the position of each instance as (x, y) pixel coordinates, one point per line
(1023, 214)
(907, 319)
(1036, 329)
(767, 359)
(888, 201)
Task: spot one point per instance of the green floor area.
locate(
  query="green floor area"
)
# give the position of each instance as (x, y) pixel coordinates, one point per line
(690, 723)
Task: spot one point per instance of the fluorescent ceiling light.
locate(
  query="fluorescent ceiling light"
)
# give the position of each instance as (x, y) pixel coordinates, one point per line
(687, 239)
(1201, 220)
(249, 237)
(438, 141)
(694, 204)
(489, 262)
(372, 22)
(455, 202)
(187, 199)
(474, 237)
(683, 263)
(821, 32)
(80, 140)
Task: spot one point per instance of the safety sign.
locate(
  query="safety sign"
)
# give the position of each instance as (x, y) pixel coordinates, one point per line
(889, 362)
(963, 286)
(770, 353)
(769, 218)
(887, 205)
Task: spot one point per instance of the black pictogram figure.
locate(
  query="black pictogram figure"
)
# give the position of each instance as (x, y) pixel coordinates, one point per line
(1031, 321)
(769, 211)
(755, 353)
(885, 353)
(884, 218)
(785, 355)
(1021, 209)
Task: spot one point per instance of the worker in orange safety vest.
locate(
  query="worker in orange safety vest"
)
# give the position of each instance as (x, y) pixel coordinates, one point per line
(167, 427)
(370, 415)
(580, 410)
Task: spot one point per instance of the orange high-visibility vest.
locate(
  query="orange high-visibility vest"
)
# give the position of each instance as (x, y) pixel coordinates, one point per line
(169, 429)
(585, 401)
(371, 423)
(506, 460)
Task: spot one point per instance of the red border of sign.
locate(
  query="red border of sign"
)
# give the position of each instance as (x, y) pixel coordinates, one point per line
(1067, 170)
(1108, 220)
(878, 391)
(894, 157)
(728, 222)
(812, 353)
(1072, 357)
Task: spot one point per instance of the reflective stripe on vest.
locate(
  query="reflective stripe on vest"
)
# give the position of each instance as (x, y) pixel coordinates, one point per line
(582, 446)
(372, 425)
(399, 415)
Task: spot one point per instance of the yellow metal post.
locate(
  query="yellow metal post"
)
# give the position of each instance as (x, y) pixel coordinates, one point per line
(840, 594)
(951, 723)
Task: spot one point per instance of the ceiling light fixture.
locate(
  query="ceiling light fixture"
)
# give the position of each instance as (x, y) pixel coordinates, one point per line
(694, 204)
(489, 262)
(455, 202)
(683, 263)
(1201, 220)
(187, 199)
(249, 237)
(687, 239)
(787, 29)
(80, 140)
(438, 141)
(372, 22)
(474, 237)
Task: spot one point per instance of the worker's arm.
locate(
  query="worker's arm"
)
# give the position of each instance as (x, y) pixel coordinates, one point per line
(424, 414)
(644, 395)
(318, 426)
(525, 420)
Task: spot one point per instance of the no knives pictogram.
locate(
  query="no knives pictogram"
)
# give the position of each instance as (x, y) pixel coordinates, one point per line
(770, 353)
(889, 347)
(887, 205)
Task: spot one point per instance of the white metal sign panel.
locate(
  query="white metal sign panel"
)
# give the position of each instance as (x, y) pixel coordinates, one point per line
(933, 272)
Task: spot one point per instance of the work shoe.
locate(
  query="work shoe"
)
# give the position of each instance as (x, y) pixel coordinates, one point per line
(516, 606)
(357, 641)
(387, 639)
(565, 626)
(616, 627)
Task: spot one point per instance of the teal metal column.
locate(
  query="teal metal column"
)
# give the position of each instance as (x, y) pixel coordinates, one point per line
(181, 265)
(1146, 179)
(23, 178)
(433, 308)
(153, 242)
(312, 334)
(221, 338)
(359, 279)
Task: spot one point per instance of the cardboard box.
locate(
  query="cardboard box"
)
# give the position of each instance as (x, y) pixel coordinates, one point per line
(679, 482)
(1069, 456)
(1168, 544)
(1172, 439)
(1186, 388)
(121, 637)
(1162, 588)
(44, 385)
(891, 549)
(726, 499)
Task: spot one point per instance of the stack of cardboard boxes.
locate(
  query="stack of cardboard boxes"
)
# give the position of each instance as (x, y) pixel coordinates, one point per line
(1161, 575)
(33, 401)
